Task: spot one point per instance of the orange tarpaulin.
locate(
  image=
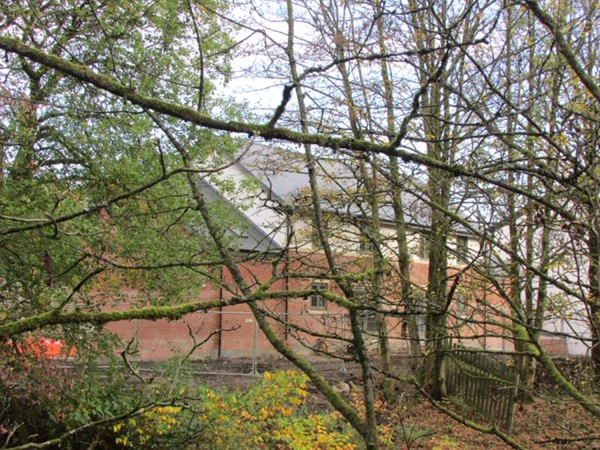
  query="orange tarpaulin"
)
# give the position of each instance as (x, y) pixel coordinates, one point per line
(51, 348)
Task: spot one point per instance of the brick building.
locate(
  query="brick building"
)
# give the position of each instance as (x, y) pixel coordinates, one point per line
(276, 235)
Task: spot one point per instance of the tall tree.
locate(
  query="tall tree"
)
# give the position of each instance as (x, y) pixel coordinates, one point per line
(409, 91)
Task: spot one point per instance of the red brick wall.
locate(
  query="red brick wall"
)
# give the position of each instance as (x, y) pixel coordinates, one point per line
(162, 339)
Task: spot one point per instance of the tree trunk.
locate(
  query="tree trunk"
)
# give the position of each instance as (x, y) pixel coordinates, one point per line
(406, 295)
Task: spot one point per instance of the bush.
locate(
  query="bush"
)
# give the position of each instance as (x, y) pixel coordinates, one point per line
(272, 415)
(31, 390)
(40, 401)
(577, 370)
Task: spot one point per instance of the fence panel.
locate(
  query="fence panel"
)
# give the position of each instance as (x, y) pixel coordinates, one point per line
(483, 383)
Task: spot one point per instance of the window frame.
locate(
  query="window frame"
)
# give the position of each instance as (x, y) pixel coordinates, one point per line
(368, 322)
(317, 301)
(462, 306)
(462, 247)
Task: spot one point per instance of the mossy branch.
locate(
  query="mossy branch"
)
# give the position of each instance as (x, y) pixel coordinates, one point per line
(56, 317)
(170, 312)
(108, 84)
(563, 47)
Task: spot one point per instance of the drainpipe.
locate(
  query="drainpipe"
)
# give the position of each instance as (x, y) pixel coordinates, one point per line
(220, 342)
(287, 277)
(287, 309)
(287, 281)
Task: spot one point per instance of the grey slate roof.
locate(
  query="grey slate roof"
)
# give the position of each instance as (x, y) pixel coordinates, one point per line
(284, 174)
(284, 177)
(253, 238)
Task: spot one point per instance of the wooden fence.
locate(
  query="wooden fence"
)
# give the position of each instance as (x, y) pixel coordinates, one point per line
(484, 383)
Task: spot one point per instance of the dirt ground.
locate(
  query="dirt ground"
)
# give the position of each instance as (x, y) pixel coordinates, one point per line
(550, 422)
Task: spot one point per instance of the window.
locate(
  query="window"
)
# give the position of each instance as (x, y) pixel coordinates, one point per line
(424, 244)
(317, 301)
(368, 321)
(462, 247)
(363, 294)
(461, 305)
